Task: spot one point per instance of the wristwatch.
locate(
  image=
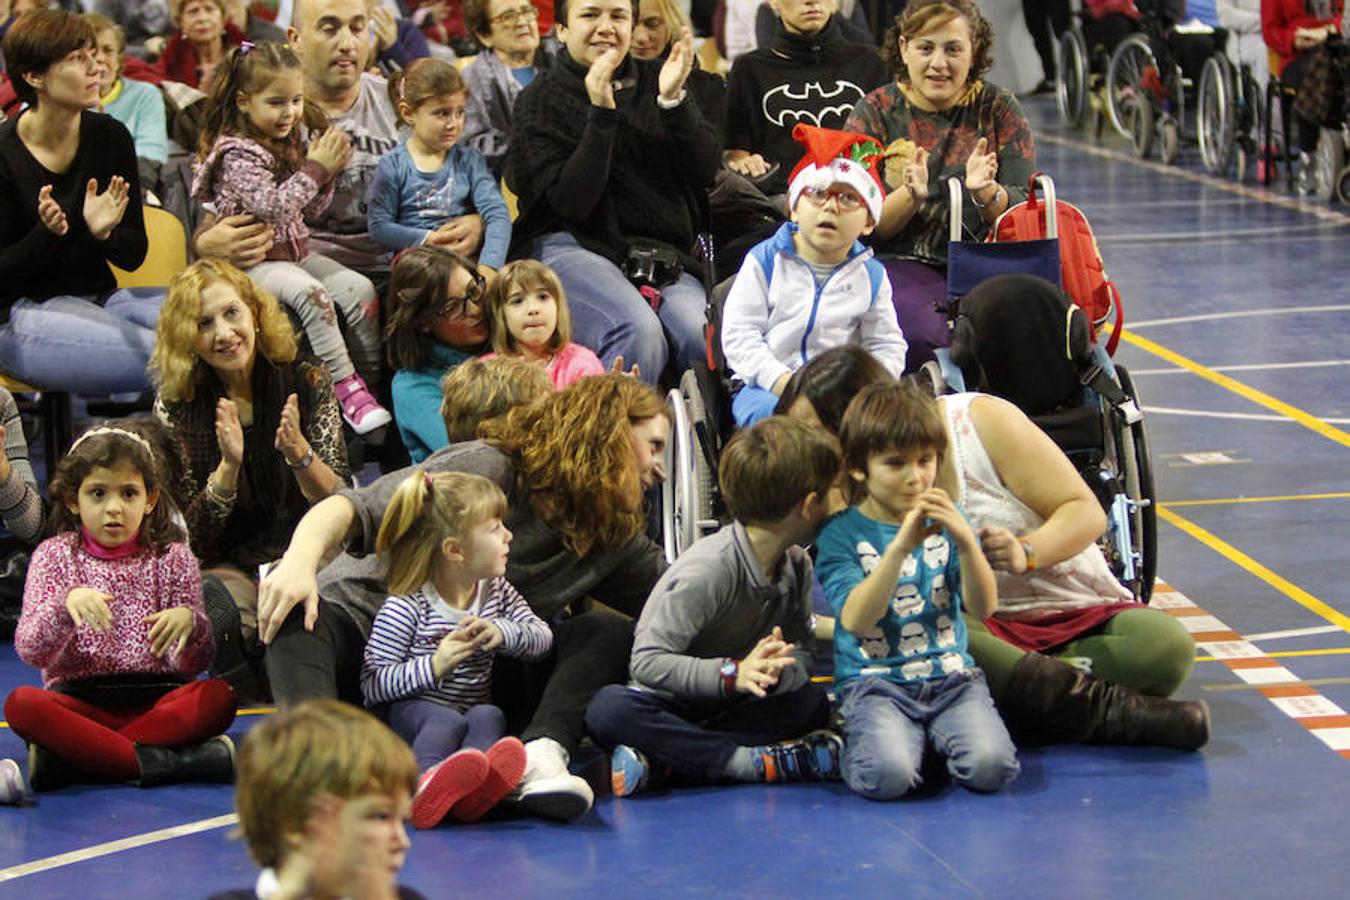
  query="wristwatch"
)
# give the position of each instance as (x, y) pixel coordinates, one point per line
(730, 669)
(303, 462)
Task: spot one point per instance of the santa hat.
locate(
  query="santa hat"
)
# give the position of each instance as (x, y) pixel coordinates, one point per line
(834, 157)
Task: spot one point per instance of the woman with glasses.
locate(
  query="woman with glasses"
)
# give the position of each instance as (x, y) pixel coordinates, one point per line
(258, 424)
(513, 54)
(936, 120)
(435, 321)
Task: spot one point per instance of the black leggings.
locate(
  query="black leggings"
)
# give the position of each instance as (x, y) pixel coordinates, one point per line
(1293, 75)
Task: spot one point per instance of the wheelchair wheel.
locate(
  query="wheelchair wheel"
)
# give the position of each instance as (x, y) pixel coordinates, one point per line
(1124, 79)
(1139, 117)
(1343, 185)
(1136, 467)
(686, 494)
(1328, 162)
(706, 450)
(1216, 115)
(1071, 91)
(1169, 139)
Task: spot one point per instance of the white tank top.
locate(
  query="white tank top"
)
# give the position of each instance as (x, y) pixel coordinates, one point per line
(1080, 581)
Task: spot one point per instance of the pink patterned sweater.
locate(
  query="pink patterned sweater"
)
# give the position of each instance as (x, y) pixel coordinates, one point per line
(140, 584)
(239, 176)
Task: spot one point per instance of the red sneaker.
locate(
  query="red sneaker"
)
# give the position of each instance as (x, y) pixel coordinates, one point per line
(506, 759)
(445, 784)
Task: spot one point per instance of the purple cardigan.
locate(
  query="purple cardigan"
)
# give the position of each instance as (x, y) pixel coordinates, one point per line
(239, 176)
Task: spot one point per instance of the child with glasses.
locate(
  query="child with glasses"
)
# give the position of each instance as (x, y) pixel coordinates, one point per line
(812, 286)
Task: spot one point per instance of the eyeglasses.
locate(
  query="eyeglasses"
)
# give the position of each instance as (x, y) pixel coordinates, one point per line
(455, 307)
(845, 199)
(511, 16)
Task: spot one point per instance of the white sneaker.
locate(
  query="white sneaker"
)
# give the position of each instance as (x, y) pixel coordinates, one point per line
(547, 788)
(13, 791)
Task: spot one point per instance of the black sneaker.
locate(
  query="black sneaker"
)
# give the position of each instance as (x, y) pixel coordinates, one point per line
(812, 758)
(47, 771)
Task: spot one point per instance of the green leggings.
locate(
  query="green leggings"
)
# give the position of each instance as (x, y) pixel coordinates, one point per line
(1143, 649)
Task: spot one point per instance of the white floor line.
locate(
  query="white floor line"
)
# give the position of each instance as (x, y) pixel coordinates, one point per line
(1293, 632)
(1248, 367)
(1236, 314)
(1256, 235)
(1245, 417)
(129, 843)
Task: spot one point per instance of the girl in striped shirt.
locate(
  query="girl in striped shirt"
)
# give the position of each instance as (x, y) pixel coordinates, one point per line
(428, 663)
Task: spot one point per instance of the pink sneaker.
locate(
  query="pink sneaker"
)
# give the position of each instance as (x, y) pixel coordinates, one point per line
(506, 761)
(359, 406)
(445, 784)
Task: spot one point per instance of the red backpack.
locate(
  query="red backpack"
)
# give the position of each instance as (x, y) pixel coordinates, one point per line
(1081, 268)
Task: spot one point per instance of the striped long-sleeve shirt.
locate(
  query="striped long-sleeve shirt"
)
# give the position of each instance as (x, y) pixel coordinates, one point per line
(408, 629)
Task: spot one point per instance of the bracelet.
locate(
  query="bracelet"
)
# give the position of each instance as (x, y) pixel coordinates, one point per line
(220, 494)
(301, 463)
(976, 200)
(671, 104)
(1030, 553)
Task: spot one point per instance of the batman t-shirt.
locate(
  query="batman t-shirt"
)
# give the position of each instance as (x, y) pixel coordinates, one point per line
(816, 79)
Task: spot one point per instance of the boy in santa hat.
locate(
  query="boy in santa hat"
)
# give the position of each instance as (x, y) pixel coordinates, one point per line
(812, 286)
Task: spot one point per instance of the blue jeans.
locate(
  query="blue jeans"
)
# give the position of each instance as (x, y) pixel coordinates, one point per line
(697, 738)
(888, 725)
(75, 344)
(612, 318)
(435, 731)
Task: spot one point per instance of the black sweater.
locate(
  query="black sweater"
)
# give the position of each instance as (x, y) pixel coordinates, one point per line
(608, 176)
(816, 79)
(36, 264)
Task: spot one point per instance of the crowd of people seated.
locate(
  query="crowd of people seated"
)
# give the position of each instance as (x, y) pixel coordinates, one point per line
(348, 170)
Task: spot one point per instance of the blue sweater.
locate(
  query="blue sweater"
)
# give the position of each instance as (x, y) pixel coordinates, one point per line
(417, 402)
(406, 204)
(140, 107)
(922, 634)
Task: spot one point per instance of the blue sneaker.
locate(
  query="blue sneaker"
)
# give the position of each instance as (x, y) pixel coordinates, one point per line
(628, 770)
(811, 758)
(13, 791)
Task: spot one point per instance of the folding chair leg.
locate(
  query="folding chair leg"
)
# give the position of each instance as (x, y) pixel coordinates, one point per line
(57, 427)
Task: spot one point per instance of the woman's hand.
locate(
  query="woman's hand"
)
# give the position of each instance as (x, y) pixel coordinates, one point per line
(331, 150)
(981, 170)
(170, 630)
(89, 607)
(50, 212)
(617, 369)
(1305, 38)
(751, 165)
(385, 28)
(600, 79)
(1003, 550)
(229, 433)
(916, 176)
(675, 70)
(103, 211)
(290, 440)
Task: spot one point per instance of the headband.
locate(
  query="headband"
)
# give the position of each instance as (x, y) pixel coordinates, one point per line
(106, 429)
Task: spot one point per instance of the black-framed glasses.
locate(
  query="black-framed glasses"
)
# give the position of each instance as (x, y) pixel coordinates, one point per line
(845, 199)
(457, 306)
(511, 16)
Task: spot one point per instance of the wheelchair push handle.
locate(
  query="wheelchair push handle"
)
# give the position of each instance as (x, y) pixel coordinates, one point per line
(956, 198)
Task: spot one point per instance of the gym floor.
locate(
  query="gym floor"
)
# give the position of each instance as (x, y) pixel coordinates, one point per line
(1236, 309)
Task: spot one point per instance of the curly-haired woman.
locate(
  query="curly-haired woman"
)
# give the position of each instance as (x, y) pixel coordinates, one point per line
(574, 467)
(936, 120)
(259, 427)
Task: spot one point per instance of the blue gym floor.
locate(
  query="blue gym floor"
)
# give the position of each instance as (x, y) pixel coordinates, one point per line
(1237, 320)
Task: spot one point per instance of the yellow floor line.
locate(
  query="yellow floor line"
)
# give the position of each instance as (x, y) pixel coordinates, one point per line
(1328, 651)
(1281, 584)
(1288, 497)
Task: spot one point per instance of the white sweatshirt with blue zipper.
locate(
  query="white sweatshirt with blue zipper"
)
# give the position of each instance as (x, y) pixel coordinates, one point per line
(777, 317)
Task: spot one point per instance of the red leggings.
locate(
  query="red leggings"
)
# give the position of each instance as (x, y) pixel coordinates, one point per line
(103, 741)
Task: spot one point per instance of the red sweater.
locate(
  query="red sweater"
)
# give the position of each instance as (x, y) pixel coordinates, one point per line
(140, 584)
(179, 60)
(1280, 18)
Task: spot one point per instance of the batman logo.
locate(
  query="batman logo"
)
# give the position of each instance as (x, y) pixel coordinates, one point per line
(786, 105)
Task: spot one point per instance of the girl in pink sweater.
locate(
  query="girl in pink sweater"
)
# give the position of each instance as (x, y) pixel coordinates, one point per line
(528, 319)
(113, 616)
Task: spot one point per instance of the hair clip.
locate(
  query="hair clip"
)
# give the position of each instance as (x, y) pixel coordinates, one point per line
(245, 46)
(427, 476)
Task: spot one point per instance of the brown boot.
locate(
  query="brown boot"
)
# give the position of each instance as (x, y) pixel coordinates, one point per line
(1049, 701)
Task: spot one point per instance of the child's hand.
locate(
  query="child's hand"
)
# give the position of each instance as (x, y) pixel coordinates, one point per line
(942, 513)
(453, 649)
(600, 78)
(760, 669)
(1003, 550)
(484, 633)
(229, 433)
(103, 211)
(916, 176)
(981, 167)
(331, 149)
(50, 212)
(913, 529)
(290, 440)
(170, 629)
(461, 234)
(89, 607)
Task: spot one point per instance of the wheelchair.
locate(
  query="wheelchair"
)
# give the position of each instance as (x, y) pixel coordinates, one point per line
(1229, 117)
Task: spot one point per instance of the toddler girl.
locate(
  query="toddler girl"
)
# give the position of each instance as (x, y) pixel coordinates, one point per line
(530, 320)
(253, 160)
(113, 616)
(421, 187)
(428, 663)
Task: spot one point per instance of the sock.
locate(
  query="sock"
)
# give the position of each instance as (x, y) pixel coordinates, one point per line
(744, 765)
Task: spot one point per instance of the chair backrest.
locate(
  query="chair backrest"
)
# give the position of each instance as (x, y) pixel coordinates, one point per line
(166, 256)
